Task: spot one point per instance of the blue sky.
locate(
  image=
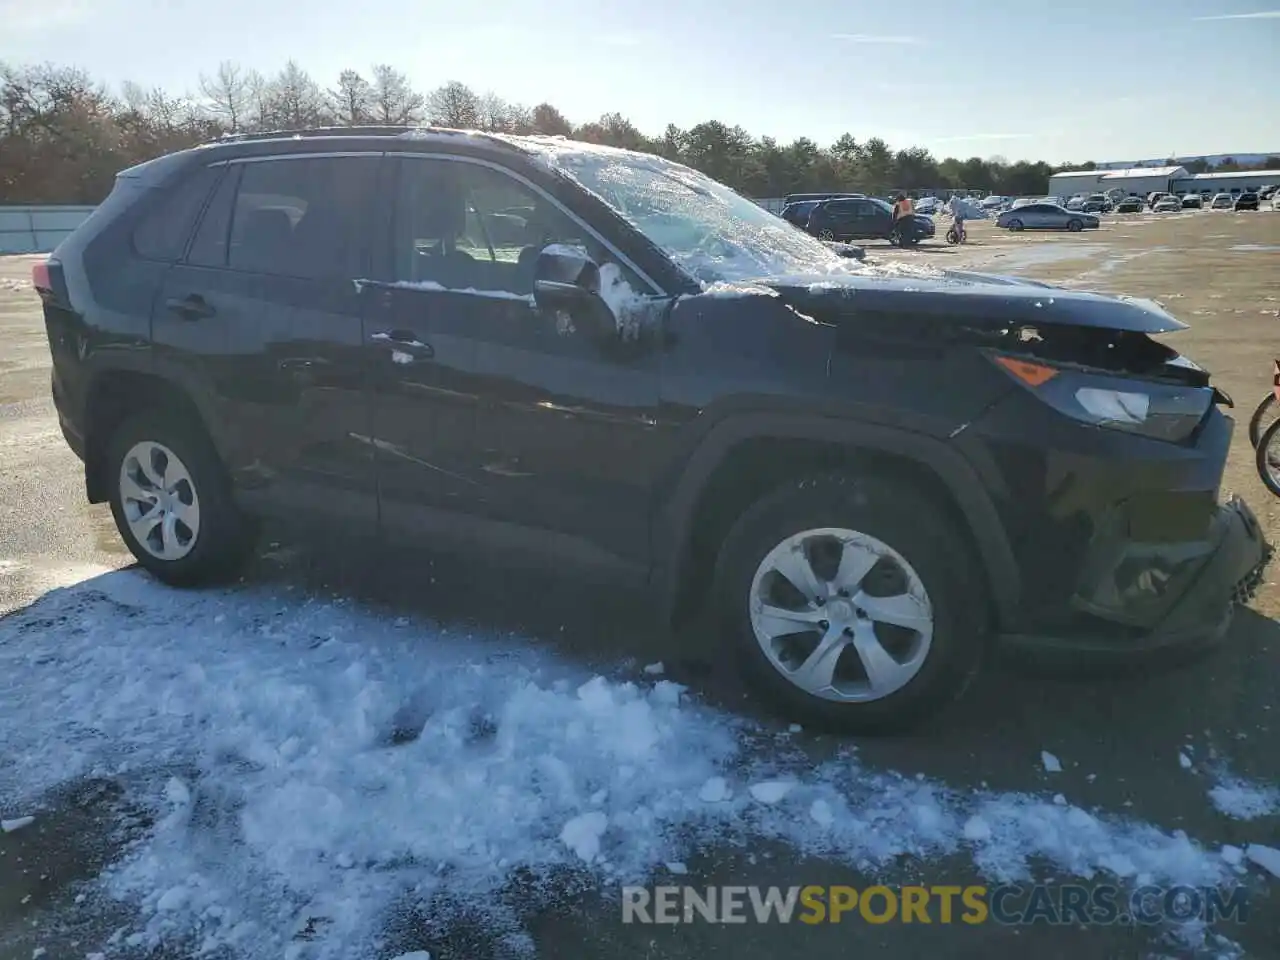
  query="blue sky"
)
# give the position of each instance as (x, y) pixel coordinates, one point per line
(1095, 79)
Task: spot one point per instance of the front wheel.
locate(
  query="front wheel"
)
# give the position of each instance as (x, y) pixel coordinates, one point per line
(1267, 458)
(1015, 224)
(952, 236)
(172, 502)
(1260, 414)
(826, 235)
(1075, 226)
(849, 602)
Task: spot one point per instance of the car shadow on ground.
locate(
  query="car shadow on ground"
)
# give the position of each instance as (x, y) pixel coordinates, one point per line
(1124, 721)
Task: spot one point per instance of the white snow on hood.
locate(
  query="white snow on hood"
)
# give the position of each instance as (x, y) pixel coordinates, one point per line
(713, 233)
(306, 760)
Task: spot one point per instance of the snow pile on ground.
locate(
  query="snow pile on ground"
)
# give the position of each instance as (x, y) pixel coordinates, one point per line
(16, 286)
(1244, 800)
(311, 767)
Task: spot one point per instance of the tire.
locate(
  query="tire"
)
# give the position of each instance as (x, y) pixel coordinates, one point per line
(826, 235)
(1260, 413)
(914, 539)
(1015, 224)
(217, 535)
(1075, 226)
(1270, 438)
(952, 237)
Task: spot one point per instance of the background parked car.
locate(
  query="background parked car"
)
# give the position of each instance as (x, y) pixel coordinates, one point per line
(1097, 203)
(1191, 202)
(1167, 204)
(1222, 201)
(1075, 203)
(866, 218)
(927, 205)
(1247, 201)
(1131, 204)
(1046, 216)
(797, 213)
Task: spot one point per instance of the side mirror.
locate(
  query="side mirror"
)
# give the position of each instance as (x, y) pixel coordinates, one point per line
(567, 281)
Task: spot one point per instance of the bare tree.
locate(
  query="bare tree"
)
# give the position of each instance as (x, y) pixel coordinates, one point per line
(295, 101)
(394, 100)
(352, 100)
(494, 113)
(228, 94)
(259, 91)
(454, 105)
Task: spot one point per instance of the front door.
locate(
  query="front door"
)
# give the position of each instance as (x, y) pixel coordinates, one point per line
(486, 408)
(263, 317)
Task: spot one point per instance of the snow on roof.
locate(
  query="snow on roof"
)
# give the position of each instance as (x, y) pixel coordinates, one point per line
(1078, 173)
(1135, 172)
(1237, 175)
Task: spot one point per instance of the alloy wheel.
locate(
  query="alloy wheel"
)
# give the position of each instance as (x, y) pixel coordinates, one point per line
(841, 614)
(159, 500)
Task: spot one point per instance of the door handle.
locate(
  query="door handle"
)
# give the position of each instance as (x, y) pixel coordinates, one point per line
(405, 339)
(191, 307)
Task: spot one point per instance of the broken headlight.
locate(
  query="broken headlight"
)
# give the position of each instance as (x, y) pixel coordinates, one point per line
(1163, 411)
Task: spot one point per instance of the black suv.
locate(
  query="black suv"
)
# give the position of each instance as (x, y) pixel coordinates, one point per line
(866, 218)
(616, 364)
(1247, 201)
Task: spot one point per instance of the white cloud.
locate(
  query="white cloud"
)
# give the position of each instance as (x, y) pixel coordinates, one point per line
(1260, 15)
(875, 38)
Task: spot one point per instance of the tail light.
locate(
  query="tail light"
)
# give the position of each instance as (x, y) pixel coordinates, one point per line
(40, 277)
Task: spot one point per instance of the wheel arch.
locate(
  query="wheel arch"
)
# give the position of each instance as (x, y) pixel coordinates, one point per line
(117, 394)
(772, 449)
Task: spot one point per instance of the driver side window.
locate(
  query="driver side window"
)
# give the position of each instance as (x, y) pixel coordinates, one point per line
(465, 226)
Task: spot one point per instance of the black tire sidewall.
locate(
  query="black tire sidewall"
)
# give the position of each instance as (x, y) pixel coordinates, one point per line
(223, 530)
(1075, 226)
(1260, 457)
(1255, 422)
(905, 520)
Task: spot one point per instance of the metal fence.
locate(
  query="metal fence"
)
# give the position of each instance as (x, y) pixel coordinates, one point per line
(37, 229)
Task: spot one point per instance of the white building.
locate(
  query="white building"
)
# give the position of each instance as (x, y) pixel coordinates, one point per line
(1237, 181)
(1134, 180)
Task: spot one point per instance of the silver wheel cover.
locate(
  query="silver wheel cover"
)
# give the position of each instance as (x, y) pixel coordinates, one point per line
(159, 500)
(841, 614)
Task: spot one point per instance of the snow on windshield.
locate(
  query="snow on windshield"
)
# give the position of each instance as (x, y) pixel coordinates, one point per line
(716, 235)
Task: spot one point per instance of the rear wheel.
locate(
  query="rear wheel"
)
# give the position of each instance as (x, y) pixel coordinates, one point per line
(826, 235)
(172, 503)
(1264, 410)
(848, 603)
(1015, 224)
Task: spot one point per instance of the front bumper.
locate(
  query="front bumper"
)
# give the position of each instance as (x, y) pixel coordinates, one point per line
(1202, 612)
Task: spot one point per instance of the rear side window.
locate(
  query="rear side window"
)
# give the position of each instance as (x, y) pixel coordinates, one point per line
(303, 217)
(162, 234)
(209, 248)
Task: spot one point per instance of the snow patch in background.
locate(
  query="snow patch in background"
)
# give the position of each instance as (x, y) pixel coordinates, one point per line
(1244, 800)
(312, 766)
(15, 286)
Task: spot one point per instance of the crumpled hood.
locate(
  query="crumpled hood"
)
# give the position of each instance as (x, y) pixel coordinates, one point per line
(976, 299)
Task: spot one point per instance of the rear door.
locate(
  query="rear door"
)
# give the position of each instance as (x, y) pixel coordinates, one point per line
(262, 318)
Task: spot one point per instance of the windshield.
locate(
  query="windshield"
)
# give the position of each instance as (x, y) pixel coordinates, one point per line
(716, 235)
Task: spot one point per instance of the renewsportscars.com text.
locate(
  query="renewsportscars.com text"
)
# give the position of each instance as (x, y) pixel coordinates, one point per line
(1009, 904)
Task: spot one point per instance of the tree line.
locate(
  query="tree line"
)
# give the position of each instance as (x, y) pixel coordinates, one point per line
(64, 136)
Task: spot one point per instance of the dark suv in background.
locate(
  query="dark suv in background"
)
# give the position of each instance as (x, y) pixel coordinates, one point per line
(866, 218)
(612, 363)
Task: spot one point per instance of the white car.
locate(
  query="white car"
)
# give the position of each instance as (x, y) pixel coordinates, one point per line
(927, 205)
(1167, 205)
(1223, 201)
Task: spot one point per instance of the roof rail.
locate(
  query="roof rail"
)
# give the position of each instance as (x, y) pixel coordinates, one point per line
(365, 131)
